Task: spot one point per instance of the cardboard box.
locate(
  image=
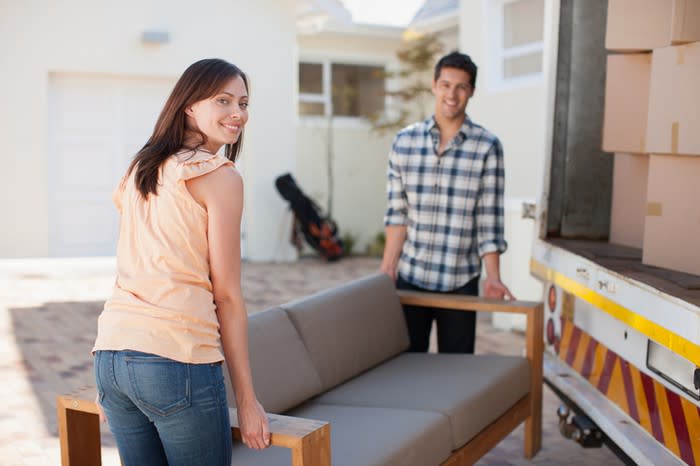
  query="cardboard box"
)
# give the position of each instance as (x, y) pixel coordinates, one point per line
(638, 25)
(626, 103)
(629, 199)
(672, 224)
(673, 125)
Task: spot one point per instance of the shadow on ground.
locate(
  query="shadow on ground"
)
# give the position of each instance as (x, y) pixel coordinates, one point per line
(55, 340)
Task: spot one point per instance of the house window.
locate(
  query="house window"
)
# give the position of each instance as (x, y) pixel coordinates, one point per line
(517, 38)
(340, 89)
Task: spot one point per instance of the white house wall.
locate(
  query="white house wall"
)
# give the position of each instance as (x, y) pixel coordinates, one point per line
(516, 115)
(83, 38)
(450, 38)
(359, 154)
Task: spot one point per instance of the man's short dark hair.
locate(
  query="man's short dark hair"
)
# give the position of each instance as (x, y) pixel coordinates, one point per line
(458, 60)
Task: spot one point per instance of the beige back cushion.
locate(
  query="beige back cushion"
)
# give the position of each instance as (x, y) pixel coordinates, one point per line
(283, 374)
(351, 328)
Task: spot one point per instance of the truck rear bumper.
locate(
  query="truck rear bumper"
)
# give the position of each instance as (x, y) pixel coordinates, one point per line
(629, 436)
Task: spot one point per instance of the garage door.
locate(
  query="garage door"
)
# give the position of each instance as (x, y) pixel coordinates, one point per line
(96, 125)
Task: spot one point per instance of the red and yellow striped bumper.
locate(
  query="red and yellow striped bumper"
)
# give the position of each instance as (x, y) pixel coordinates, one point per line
(673, 420)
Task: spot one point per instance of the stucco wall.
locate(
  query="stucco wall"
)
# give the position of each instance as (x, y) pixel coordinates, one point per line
(359, 154)
(359, 173)
(87, 37)
(517, 116)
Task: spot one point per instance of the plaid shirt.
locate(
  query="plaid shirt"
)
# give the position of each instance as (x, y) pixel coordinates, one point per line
(451, 204)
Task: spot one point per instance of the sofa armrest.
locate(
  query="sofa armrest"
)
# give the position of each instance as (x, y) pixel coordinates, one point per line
(465, 302)
(79, 433)
(534, 343)
(309, 440)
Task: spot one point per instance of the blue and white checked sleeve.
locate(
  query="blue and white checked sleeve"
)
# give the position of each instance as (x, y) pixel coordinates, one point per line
(397, 205)
(489, 210)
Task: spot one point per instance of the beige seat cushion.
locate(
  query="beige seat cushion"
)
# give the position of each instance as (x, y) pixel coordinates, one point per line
(368, 436)
(351, 328)
(283, 374)
(272, 456)
(472, 390)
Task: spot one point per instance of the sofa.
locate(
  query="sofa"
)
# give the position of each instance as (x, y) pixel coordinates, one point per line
(332, 371)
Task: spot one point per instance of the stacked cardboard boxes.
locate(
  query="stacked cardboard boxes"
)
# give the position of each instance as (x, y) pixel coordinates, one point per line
(642, 25)
(652, 124)
(672, 223)
(630, 175)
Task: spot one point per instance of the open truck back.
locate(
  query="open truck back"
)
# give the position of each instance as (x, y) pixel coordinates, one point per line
(622, 338)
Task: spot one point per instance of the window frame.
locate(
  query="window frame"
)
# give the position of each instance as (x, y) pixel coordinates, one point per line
(498, 53)
(322, 98)
(326, 97)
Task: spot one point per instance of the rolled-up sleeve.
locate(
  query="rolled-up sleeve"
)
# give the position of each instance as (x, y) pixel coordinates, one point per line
(397, 205)
(490, 211)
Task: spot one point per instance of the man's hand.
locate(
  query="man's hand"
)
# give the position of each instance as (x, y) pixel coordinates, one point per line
(395, 237)
(390, 270)
(255, 429)
(494, 288)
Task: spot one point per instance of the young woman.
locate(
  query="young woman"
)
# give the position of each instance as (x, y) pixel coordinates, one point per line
(177, 306)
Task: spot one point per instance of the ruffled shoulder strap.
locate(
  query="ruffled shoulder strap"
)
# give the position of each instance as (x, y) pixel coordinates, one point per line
(193, 164)
(118, 192)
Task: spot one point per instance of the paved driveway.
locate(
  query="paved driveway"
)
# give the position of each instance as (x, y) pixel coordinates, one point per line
(48, 314)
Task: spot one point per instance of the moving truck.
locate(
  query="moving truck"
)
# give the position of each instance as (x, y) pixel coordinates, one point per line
(622, 337)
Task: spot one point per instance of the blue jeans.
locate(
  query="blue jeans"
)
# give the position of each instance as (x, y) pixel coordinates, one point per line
(164, 412)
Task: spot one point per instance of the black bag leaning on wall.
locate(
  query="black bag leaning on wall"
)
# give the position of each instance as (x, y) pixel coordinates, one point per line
(320, 232)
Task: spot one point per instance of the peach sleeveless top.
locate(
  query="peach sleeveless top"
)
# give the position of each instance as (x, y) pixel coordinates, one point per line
(162, 302)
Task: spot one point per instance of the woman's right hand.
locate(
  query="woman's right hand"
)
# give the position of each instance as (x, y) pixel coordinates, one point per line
(255, 428)
(100, 411)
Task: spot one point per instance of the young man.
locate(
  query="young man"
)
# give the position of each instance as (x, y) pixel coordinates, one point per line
(445, 209)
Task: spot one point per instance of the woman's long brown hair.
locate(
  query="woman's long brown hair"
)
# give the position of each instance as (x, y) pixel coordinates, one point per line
(200, 81)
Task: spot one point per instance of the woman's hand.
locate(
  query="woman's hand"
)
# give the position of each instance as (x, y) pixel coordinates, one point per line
(255, 430)
(100, 411)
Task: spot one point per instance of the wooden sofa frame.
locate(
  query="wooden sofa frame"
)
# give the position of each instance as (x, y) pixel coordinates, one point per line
(309, 440)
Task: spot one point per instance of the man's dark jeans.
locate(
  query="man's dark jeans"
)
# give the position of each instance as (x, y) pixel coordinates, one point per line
(456, 330)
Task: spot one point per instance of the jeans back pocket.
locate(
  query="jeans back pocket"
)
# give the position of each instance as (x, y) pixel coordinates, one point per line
(160, 385)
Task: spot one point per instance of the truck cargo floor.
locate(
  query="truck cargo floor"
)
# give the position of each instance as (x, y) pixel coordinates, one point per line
(627, 261)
